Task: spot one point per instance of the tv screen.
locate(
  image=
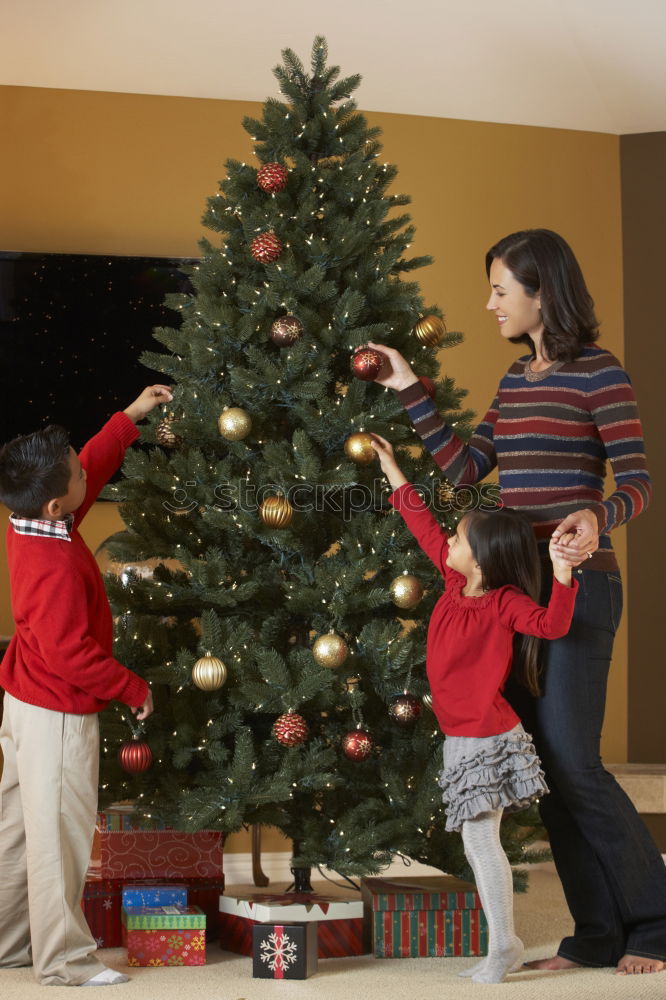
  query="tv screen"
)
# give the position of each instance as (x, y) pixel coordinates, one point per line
(72, 328)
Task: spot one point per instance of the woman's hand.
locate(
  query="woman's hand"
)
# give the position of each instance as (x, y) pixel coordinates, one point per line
(577, 536)
(395, 372)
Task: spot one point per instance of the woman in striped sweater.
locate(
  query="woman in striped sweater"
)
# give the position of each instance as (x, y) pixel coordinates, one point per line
(560, 412)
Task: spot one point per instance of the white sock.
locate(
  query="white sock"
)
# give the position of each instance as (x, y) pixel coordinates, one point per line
(495, 886)
(108, 977)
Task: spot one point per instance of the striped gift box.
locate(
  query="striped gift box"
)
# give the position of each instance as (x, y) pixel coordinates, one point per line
(434, 918)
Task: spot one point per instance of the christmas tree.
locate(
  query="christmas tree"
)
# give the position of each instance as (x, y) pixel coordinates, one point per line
(269, 594)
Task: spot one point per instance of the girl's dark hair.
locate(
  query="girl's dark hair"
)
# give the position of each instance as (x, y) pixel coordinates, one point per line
(34, 469)
(504, 545)
(545, 265)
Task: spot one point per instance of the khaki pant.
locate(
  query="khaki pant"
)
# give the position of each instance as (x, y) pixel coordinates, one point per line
(48, 799)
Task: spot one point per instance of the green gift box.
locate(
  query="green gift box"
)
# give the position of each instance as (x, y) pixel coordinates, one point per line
(149, 918)
(429, 917)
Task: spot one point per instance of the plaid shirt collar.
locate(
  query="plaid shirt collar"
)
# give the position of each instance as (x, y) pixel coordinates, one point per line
(45, 529)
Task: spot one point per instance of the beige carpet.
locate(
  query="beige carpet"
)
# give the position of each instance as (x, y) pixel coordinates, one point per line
(541, 918)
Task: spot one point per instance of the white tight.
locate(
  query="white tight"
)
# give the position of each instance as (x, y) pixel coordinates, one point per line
(492, 873)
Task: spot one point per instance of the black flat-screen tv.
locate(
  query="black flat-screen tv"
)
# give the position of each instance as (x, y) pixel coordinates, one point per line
(72, 328)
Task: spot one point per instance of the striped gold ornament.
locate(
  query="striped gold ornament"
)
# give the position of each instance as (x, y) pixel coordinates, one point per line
(276, 512)
(209, 673)
(430, 330)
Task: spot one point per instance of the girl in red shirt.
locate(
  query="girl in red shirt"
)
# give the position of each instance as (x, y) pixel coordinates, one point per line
(491, 572)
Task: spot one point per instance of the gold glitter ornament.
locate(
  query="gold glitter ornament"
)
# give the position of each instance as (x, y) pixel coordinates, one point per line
(276, 512)
(430, 330)
(209, 673)
(330, 650)
(359, 448)
(234, 423)
(427, 701)
(406, 590)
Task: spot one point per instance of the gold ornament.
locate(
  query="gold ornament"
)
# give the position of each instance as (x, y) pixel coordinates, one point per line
(446, 492)
(164, 433)
(276, 512)
(430, 330)
(406, 590)
(234, 423)
(352, 684)
(427, 700)
(330, 650)
(359, 448)
(209, 673)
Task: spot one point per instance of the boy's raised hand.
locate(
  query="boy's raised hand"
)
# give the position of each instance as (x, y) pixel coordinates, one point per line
(143, 711)
(151, 397)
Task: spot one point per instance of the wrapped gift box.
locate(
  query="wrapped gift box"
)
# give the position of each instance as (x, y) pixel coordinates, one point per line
(284, 951)
(433, 917)
(339, 921)
(205, 893)
(165, 935)
(102, 905)
(164, 854)
(142, 894)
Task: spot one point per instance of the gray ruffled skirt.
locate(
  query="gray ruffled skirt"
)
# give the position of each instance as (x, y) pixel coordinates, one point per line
(482, 774)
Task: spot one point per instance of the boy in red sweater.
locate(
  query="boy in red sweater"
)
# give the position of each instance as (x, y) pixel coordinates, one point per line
(57, 673)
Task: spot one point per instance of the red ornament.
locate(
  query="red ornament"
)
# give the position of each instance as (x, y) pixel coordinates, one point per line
(428, 385)
(266, 247)
(286, 330)
(358, 744)
(405, 709)
(135, 756)
(366, 364)
(290, 729)
(272, 177)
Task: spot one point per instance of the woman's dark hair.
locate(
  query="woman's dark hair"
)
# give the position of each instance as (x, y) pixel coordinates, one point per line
(504, 545)
(545, 265)
(34, 469)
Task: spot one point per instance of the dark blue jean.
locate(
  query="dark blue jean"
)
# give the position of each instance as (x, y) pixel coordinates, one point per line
(613, 875)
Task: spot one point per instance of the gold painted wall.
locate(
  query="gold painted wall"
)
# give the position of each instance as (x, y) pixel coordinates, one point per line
(129, 174)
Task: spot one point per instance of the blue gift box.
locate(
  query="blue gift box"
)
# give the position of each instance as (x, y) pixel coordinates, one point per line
(150, 894)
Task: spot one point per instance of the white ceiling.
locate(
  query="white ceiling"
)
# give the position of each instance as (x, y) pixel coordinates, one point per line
(597, 65)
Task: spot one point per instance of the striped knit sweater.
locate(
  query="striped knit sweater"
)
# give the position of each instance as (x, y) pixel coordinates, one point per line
(549, 437)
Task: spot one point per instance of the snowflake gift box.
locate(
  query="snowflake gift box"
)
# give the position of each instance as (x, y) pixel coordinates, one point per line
(434, 917)
(101, 907)
(338, 920)
(284, 951)
(165, 935)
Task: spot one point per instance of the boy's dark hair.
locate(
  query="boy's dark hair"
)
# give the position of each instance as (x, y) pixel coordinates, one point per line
(34, 469)
(504, 545)
(545, 265)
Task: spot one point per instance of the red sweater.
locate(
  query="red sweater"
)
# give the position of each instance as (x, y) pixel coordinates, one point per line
(470, 639)
(60, 655)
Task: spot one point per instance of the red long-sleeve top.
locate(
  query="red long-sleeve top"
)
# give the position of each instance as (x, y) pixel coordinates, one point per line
(470, 639)
(60, 655)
